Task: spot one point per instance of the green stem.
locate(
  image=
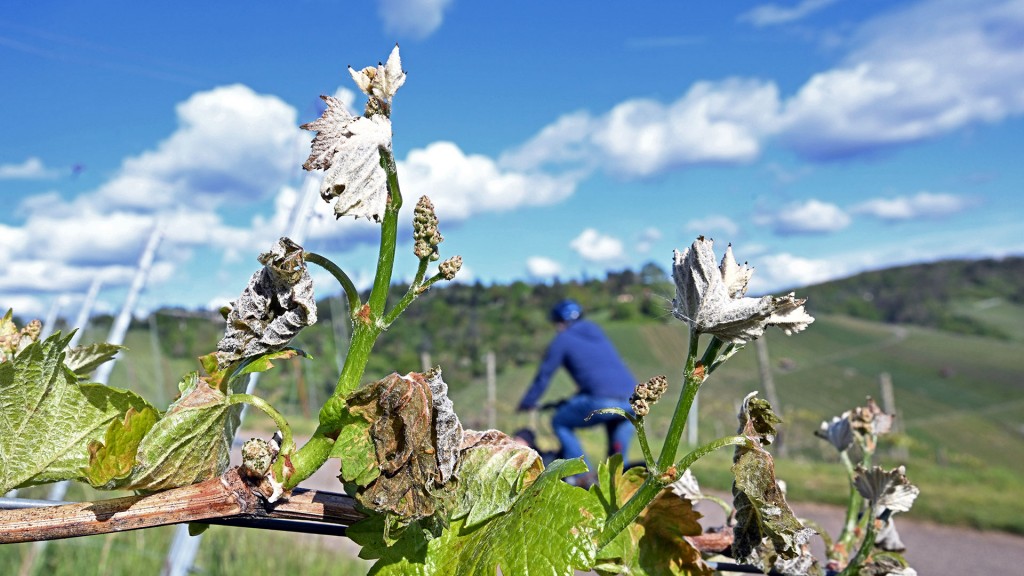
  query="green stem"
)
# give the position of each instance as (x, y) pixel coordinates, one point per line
(853, 505)
(415, 289)
(853, 568)
(367, 326)
(340, 276)
(645, 447)
(653, 485)
(287, 443)
(388, 237)
(691, 383)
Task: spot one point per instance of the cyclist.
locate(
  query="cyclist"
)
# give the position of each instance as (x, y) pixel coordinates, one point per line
(602, 381)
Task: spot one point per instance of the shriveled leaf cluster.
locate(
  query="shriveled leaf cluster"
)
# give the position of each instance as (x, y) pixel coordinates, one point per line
(273, 308)
(349, 149)
(767, 532)
(415, 436)
(711, 297)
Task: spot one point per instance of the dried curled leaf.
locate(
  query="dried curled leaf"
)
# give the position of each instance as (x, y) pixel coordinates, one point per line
(710, 298)
(348, 148)
(413, 435)
(273, 308)
(766, 530)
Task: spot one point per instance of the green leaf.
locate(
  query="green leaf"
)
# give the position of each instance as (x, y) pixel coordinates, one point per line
(82, 360)
(550, 529)
(191, 443)
(493, 470)
(48, 419)
(354, 447)
(655, 543)
(114, 457)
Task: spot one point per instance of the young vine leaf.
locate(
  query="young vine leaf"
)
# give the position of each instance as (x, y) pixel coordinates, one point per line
(82, 360)
(655, 543)
(494, 469)
(550, 529)
(49, 418)
(190, 443)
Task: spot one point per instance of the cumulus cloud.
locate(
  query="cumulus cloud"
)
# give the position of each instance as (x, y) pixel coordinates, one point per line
(906, 82)
(920, 205)
(709, 225)
(714, 122)
(541, 268)
(231, 144)
(783, 271)
(31, 169)
(901, 82)
(413, 18)
(593, 246)
(461, 184)
(809, 217)
(773, 14)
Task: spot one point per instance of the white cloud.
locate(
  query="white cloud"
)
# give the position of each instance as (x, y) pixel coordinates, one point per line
(772, 14)
(713, 122)
(900, 83)
(907, 81)
(541, 268)
(31, 169)
(461, 185)
(708, 225)
(920, 205)
(810, 217)
(784, 271)
(231, 145)
(414, 18)
(593, 246)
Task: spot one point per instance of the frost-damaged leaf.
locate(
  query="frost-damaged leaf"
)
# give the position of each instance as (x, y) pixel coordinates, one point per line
(448, 432)
(411, 432)
(710, 298)
(48, 418)
(189, 444)
(762, 513)
(549, 530)
(82, 360)
(114, 457)
(349, 148)
(273, 308)
(493, 470)
(656, 543)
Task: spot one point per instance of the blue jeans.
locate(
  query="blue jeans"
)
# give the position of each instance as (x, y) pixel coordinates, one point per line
(573, 413)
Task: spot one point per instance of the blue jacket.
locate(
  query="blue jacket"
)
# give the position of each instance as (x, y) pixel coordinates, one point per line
(588, 355)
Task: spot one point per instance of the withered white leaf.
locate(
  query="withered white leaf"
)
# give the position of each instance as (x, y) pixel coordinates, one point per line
(384, 80)
(273, 308)
(886, 490)
(447, 426)
(710, 298)
(348, 148)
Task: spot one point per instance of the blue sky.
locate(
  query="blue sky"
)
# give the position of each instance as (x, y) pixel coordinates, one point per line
(820, 137)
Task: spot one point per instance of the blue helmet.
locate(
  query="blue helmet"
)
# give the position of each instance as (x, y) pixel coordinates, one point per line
(566, 311)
